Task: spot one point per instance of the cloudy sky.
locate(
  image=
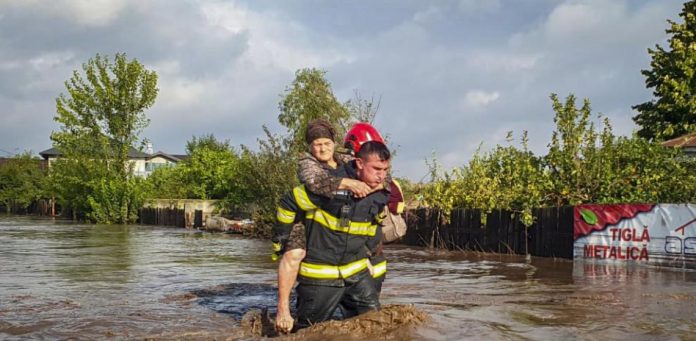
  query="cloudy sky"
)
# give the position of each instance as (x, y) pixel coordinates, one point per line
(450, 74)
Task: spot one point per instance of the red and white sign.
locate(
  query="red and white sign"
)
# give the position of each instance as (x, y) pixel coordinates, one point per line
(662, 234)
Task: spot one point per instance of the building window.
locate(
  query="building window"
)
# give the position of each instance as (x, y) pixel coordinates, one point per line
(151, 166)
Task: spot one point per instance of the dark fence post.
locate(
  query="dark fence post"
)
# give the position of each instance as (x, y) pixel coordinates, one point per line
(564, 233)
(198, 219)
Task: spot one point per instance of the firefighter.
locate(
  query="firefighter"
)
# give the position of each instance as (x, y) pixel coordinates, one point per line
(358, 135)
(317, 171)
(340, 235)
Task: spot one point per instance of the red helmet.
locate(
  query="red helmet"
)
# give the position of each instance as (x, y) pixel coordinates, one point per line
(360, 133)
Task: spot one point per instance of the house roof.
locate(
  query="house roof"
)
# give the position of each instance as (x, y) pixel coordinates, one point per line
(181, 157)
(170, 157)
(132, 153)
(685, 141)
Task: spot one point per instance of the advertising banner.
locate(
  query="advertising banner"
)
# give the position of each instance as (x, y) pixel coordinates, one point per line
(663, 234)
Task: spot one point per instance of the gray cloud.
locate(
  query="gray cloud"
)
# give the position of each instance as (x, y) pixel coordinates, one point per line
(450, 74)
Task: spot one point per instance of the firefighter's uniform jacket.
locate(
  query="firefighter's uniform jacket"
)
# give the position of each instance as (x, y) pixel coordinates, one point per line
(341, 233)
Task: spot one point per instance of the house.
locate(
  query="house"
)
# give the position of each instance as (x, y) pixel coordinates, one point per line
(143, 163)
(158, 160)
(686, 142)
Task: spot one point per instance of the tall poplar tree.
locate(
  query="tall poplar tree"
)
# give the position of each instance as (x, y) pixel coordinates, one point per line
(101, 119)
(310, 97)
(672, 77)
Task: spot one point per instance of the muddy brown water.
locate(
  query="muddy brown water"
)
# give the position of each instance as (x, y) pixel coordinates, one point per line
(61, 280)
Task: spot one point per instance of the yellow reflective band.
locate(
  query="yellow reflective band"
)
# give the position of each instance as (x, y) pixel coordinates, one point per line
(302, 198)
(329, 221)
(379, 269)
(284, 216)
(401, 205)
(274, 257)
(277, 247)
(351, 269)
(320, 271)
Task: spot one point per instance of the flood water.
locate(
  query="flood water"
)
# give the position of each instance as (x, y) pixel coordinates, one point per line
(61, 280)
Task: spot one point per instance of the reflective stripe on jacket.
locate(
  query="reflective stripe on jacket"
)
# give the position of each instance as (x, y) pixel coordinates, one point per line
(321, 271)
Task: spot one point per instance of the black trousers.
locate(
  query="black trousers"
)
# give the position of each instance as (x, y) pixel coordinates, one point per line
(378, 283)
(317, 303)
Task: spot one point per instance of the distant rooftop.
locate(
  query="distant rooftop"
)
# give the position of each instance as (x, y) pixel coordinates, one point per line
(172, 157)
(688, 140)
(132, 153)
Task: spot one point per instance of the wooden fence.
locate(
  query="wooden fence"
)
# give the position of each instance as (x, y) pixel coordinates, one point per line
(40, 207)
(550, 236)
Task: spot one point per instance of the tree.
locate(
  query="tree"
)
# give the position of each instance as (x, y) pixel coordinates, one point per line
(210, 169)
(362, 109)
(101, 119)
(263, 177)
(208, 173)
(673, 78)
(167, 183)
(207, 141)
(574, 136)
(22, 182)
(309, 97)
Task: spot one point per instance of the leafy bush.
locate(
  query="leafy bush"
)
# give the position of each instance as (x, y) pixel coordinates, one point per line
(582, 166)
(22, 182)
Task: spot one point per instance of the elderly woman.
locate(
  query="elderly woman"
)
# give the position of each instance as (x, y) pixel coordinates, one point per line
(315, 167)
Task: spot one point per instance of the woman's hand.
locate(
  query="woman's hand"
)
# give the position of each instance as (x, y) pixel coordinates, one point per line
(359, 188)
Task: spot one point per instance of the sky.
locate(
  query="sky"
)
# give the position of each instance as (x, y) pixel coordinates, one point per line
(450, 76)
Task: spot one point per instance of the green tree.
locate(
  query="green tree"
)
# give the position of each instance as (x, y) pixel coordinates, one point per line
(208, 141)
(310, 97)
(639, 171)
(101, 119)
(263, 177)
(210, 170)
(208, 173)
(672, 77)
(167, 183)
(22, 182)
(573, 137)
